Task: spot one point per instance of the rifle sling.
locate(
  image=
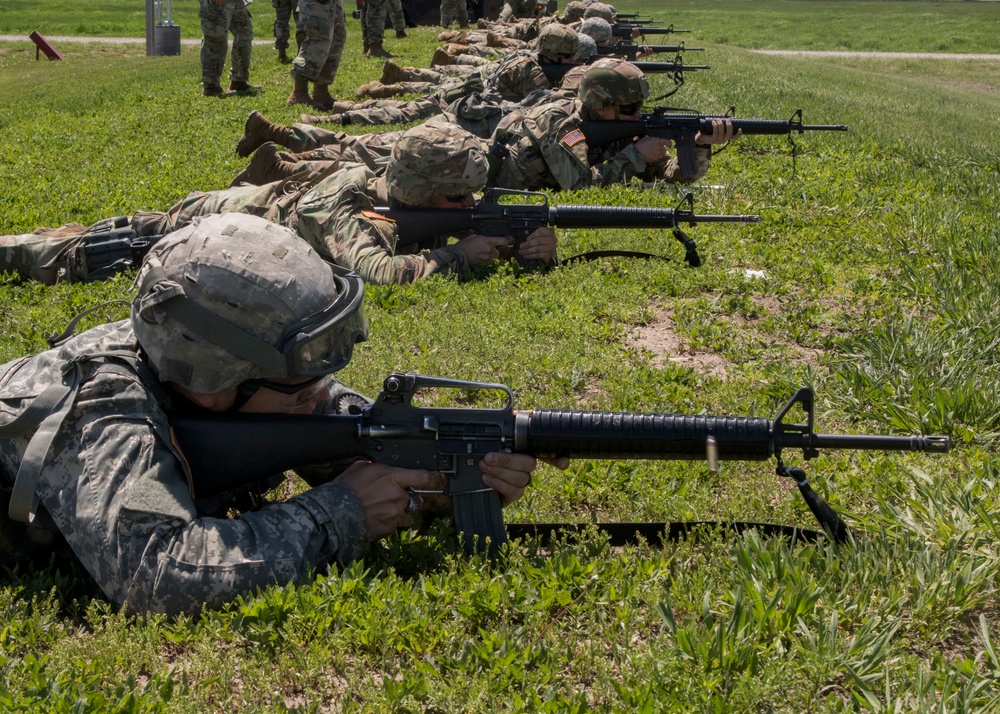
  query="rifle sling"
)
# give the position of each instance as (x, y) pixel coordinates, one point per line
(655, 533)
(598, 254)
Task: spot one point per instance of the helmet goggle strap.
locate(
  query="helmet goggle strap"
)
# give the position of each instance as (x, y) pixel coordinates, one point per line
(317, 345)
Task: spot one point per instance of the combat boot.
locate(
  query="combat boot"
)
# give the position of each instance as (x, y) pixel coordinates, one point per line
(265, 167)
(214, 90)
(392, 73)
(441, 58)
(452, 36)
(300, 92)
(377, 50)
(321, 97)
(401, 34)
(283, 55)
(258, 131)
(377, 90)
(241, 86)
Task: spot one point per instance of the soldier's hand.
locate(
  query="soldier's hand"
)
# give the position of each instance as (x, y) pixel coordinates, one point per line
(382, 491)
(507, 474)
(218, 3)
(653, 149)
(540, 245)
(722, 131)
(481, 250)
(644, 52)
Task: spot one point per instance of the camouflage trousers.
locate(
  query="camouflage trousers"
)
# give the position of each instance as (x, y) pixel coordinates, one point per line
(284, 10)
(217, 21)
(391, 111)
(322, 28)
(452, 10)
(373, 14)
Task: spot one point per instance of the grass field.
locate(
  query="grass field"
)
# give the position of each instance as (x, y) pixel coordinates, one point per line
(871, 277)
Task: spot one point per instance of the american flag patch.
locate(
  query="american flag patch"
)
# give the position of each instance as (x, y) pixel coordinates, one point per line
(573, 138)
(377, 216)
(541, 79)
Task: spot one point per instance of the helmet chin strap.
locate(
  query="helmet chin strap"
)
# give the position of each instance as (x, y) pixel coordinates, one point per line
(243, 394)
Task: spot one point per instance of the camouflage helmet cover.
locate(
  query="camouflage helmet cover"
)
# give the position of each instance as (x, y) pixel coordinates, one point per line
(612, 81)
(434, 160)
(571, 80)
(258, 277)
(557, 40)
(597, 28)
(587, 49)
(599, 9)
(574, 11)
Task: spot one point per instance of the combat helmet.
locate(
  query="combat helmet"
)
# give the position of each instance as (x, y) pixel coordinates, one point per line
(234, 298)
(612, 81)
(574, 11)
(434, 160)
(598, 29)
(601, 10)
(556, 41)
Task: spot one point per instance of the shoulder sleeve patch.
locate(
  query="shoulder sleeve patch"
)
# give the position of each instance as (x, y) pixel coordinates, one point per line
(540, 79)
(573, 138)
(375, 216)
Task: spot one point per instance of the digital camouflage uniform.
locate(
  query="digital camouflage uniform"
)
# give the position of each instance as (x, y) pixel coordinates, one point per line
(544, 148)
(373, 14)
(452, 10)
(323, 29)
(217, 21)
(396, 15)
(283, 10)
(114, 486)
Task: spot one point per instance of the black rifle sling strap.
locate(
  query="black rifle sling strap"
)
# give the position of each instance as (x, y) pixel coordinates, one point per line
(655, 533)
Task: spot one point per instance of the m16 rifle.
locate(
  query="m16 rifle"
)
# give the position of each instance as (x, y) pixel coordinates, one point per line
(556, 71)
(110, 247)
(492, 216)
(631, 52)
(682, 127)
(230, 451)
(622, 29)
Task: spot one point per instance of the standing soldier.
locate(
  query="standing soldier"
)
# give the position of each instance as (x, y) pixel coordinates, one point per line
(451, 9)
(323, 29)
(373, 14)
(398, 18)
(218, 19)
(284, 10)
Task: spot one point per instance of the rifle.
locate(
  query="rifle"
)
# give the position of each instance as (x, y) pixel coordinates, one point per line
(681, 128)
(556, 71)
(491, 217)
(230, 451)
(630, 52)
(111, 246)
(624, 30)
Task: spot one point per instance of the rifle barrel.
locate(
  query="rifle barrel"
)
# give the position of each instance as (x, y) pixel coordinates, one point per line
(549, 433)
(573, 216)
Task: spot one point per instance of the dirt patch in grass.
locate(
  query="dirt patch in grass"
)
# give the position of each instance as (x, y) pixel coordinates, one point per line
(661, 338)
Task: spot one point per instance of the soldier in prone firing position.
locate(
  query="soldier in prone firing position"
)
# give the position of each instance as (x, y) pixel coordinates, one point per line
(233, 313)
(332, 210)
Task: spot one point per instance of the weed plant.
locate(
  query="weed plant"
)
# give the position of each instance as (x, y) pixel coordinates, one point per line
(871, 277)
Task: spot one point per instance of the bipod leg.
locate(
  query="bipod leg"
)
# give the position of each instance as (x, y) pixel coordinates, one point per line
(831, 521)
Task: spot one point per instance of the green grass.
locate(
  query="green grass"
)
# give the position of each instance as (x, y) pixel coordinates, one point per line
(879, 253)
